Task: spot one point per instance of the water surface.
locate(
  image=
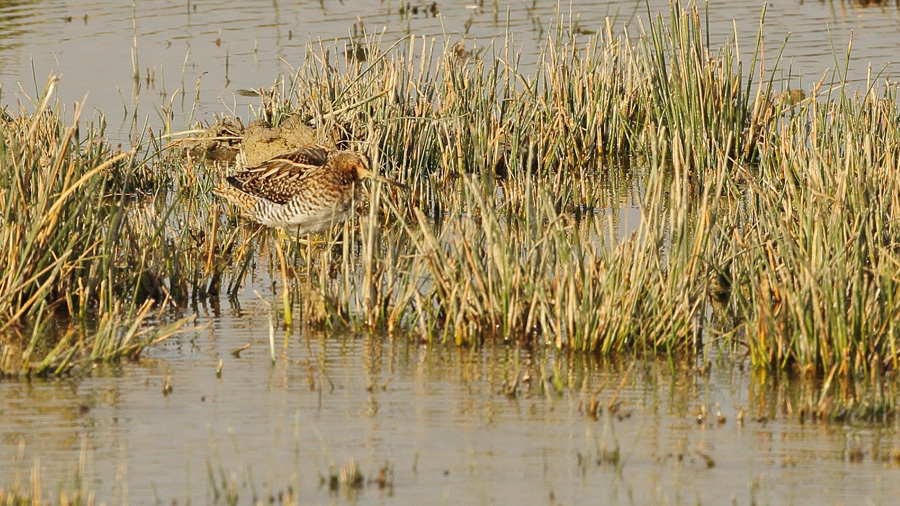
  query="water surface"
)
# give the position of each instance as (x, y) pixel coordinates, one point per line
(441, 416)
(215, 48)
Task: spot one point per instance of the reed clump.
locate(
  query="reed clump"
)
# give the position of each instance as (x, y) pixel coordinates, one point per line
(513, 227)
(764, 216)
(71, 249)
(822, 239)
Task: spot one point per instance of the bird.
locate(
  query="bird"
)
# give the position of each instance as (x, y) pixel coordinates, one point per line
(303, 192)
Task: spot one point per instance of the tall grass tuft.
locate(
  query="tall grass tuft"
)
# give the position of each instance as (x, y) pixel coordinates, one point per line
(764, 217)
(64, 199)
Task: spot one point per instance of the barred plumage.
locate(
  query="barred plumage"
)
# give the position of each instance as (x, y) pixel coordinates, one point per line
(305, 191)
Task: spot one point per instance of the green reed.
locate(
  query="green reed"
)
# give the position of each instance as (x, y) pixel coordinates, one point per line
(823, 245)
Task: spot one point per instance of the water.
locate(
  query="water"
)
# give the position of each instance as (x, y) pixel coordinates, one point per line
(226, 46)
(440, 416)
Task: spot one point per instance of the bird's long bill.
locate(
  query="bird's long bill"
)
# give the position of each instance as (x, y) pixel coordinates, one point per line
(398, 184)
(382, 179)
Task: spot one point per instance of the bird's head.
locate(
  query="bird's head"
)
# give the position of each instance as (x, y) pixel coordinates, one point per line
(360, 167)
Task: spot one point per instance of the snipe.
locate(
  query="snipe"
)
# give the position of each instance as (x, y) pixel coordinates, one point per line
(305, 191)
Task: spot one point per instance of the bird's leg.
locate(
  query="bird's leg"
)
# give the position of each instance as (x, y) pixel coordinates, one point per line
(286, 286)
(308, 255)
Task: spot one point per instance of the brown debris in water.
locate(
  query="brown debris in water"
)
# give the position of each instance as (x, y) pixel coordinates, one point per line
(225, 140)
(262, 142)
(219, 142)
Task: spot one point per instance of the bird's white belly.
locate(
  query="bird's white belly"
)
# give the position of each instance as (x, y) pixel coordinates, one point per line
(305, 221)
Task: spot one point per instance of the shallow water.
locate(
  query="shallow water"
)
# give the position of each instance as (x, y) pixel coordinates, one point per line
(440, 416)
(212, 49)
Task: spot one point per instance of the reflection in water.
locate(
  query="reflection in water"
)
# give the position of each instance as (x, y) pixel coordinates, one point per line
(16, 26)
(489, 425)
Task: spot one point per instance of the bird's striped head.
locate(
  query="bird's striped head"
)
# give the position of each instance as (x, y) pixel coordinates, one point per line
(351, 166)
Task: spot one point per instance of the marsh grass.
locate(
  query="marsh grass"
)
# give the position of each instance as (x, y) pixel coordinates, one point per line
(824, 240)
(510, 230)
(65, 196)
(766, 215)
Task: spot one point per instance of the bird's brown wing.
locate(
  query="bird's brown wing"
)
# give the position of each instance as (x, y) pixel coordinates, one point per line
(282, 177)
(312, 156)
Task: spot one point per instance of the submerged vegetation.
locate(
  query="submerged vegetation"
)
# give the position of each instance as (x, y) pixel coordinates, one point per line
(767, 216)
